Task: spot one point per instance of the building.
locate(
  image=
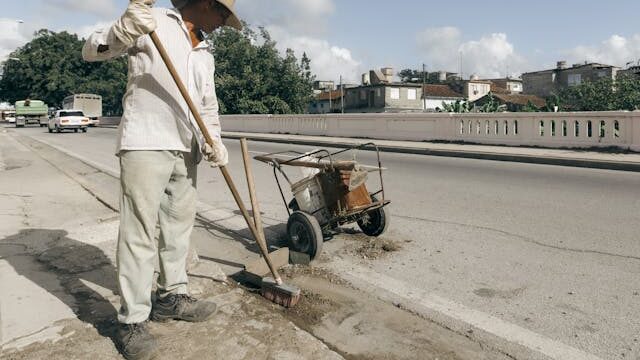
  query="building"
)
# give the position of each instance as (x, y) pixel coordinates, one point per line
(384, 97)
(508, 85)
(320, 86)
(435, 95)
(632, 70)
(512, 102)
(547, 82)
(379, 93)
(443, 76)
(472, 89)
(326, 102)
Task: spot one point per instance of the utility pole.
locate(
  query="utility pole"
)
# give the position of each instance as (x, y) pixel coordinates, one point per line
(460, 60)
(424, 85)
(341, 95)
(330, 103)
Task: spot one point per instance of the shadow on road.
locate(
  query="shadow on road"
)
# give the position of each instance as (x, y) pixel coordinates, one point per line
(276, 234)
(74, 263)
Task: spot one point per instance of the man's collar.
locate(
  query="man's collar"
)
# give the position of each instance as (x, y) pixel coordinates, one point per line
(175, 13)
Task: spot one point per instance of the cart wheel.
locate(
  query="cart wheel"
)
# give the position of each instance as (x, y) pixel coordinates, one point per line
(374, 222)
(305, 234)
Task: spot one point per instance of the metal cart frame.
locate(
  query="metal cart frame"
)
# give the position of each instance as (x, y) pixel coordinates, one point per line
(325, 161)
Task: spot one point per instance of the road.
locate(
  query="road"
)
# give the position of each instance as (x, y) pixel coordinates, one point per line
(550, 251)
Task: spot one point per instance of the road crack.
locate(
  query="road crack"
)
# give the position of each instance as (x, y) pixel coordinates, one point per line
(16, 195)
(522, 238)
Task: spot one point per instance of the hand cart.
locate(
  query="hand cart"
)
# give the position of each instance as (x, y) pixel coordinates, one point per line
(332, 194)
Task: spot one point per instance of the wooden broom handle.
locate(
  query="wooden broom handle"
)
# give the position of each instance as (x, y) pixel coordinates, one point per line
(257, 217)
(225, 173)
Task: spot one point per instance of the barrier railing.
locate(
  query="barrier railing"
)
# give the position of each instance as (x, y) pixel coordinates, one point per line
(556, 130)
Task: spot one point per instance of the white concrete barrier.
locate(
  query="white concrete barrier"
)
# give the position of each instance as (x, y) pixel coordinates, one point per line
(555, 130)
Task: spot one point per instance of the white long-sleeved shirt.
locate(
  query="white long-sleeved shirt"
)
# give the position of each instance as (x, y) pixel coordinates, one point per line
(156, 117)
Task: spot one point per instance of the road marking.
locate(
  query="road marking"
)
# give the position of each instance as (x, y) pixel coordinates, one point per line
(512, 333)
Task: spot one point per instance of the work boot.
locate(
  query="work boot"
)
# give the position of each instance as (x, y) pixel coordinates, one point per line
(182, 307)
(135, 342)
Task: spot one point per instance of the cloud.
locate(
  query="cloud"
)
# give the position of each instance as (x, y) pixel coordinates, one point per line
(302, 25)
(85, 31)
(304, 17)
(12, 35)
(442, 45)
(490, 56)
(328, 61)
(616, 50)
(100, 8)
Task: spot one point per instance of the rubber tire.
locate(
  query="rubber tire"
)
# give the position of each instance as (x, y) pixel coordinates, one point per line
(75, 131)
(377, 223)
(84, 130)
(305, 234)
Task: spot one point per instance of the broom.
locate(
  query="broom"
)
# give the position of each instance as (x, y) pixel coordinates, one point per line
(272, 289)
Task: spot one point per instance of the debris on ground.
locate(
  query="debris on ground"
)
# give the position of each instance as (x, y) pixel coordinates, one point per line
(369, 248)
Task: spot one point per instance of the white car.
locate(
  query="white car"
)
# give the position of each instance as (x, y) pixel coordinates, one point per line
(69, 120)
(11, 119)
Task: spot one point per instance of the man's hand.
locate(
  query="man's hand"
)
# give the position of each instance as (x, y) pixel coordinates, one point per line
(136, 21)
(217, 155)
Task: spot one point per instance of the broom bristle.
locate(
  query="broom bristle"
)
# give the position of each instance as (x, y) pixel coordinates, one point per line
(283, 295)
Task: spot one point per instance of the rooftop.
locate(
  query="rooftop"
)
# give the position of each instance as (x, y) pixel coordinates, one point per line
(443, 91)
(575, 66)
(521, 99)
(324, 96)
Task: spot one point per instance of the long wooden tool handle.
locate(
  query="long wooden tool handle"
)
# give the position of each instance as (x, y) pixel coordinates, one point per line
(257, 217)
(192, 107)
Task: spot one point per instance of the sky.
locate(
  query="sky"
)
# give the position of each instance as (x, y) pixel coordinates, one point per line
(490, 38)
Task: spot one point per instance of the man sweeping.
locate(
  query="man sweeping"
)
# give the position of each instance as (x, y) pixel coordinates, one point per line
(159, 147)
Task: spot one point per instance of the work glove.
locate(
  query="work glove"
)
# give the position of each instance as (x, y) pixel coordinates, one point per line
(136, 21)
(217, 155)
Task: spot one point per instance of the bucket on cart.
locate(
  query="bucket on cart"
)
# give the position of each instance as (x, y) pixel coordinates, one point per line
(311, 199)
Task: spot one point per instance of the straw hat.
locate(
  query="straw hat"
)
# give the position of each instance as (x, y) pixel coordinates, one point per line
(233, 19)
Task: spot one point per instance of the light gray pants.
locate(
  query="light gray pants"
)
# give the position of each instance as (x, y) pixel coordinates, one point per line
(156, 186)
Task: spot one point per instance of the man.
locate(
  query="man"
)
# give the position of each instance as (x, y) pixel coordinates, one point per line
(159, 148)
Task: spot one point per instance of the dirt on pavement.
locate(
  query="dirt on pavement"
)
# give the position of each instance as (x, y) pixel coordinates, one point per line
(359, 326)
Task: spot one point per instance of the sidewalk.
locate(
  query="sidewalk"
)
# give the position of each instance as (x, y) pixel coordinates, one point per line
(563, 157)
(58, 294)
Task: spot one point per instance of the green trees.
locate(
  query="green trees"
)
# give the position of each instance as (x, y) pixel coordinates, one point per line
(251, 75)
(491, 105)
(418, 77)
(456, 107)
(602, 95)
(51, 68)
(411, 76)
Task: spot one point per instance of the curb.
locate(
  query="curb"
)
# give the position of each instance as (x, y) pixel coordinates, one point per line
(205, 211)
(556, 161)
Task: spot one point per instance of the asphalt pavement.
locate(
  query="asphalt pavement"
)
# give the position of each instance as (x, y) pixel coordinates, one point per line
(540, 257)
